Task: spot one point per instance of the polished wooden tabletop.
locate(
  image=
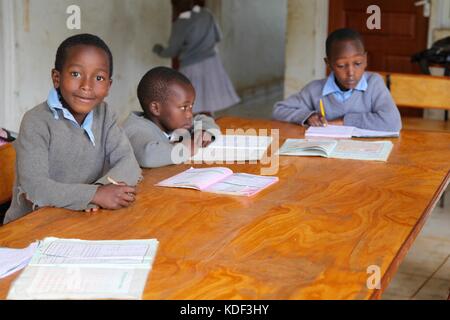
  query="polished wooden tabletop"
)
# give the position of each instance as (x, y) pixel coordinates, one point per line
(313, 235)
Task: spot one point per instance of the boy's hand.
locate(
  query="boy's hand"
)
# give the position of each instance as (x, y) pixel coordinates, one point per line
(316, 120)
(203, 139)
(114, 197)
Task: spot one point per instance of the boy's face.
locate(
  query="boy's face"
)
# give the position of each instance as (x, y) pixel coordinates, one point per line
(176, 111)
(84, 80)
(348, 61)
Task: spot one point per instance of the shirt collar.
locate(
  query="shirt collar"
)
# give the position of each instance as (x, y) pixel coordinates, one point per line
(55, 104)
(332, 87)
(185, 15)
(196, 9)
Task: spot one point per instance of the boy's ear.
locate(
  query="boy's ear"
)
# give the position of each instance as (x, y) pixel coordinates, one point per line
(56, 76)
(155, 108)
(327, 62)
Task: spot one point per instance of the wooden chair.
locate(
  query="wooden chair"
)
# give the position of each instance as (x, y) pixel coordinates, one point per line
(7, 169)
(420, 91)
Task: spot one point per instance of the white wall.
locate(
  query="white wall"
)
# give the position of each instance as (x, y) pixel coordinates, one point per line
(129, 27)
(253, 44)
(252, 49)
(307, 29)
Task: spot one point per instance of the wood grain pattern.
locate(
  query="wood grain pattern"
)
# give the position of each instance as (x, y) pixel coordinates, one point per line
(311, 236)
(7, 169)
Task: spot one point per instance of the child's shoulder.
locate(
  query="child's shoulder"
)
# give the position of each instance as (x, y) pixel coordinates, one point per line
(314, 87)
(40, 113)
(137, 122)
(373, 78)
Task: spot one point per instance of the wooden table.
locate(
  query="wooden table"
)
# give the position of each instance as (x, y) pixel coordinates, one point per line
(313, 235)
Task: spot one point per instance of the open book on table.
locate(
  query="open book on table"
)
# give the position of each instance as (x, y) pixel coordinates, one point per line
(341, 149)
(234, 148)
(219, 180)
(332, 131)
(78, 269)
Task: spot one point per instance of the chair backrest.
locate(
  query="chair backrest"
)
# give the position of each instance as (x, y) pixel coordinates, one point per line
(7, 168)
(419, 91)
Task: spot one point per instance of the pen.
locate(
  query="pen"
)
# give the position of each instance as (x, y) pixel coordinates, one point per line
(113, 181)
(322, 111)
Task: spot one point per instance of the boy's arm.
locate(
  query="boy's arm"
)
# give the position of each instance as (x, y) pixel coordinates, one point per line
(206, 124)
(122, 163)
(384, 115)
(297, 108)
(33, 171)
(154, 153)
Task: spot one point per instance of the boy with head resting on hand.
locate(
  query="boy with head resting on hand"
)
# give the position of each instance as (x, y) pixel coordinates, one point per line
(350, 95)
(69, 145)
(166, 97)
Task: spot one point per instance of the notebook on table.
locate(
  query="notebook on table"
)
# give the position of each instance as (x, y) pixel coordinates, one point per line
(340, 149)
(332, 131)
(219, 180)
(78, 269)
(234, 148)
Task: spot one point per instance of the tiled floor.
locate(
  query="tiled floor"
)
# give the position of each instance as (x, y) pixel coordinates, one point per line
(425, 271)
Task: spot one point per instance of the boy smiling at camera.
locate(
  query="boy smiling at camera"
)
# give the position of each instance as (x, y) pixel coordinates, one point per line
(70, 145)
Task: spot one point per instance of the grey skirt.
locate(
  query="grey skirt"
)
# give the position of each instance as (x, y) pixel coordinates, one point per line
(213, 88)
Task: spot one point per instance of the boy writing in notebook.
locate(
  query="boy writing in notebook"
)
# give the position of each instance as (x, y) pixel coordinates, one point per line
(166, 97)
(350, 96)
(70, 145)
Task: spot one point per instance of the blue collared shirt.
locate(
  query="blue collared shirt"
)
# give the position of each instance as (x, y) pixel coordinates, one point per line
(332, 88)
(54, 105)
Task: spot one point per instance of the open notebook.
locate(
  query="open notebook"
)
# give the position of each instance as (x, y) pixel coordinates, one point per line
(78, 269)
(347, 132)
(234, 148)
(219, 180)
(341, 149)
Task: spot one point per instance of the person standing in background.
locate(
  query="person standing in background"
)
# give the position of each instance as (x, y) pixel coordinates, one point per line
(193, 39)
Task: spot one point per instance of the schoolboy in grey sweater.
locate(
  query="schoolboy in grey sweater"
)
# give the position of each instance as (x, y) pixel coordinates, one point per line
(166, 97)
(69, 145)
(350, 96)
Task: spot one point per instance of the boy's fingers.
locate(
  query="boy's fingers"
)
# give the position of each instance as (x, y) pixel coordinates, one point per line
(129, 197)
(128, 189)
(124, 203)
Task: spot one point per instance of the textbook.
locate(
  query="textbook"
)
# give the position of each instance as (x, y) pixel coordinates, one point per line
(219, 180)
(232, 148)
(340, 149)
(347, 132)
(78, 269)
(12, 260)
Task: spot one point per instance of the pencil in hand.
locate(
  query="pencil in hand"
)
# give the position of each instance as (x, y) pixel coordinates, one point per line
(322, 111)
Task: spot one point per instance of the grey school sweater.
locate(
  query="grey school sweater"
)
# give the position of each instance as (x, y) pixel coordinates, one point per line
(373, 109)
(193, 39)
(151, 145)
(58, 166)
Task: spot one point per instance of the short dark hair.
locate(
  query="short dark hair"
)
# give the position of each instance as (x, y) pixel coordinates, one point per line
(342, 35)
(81, 39)
(182, 5)
(154, 85)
